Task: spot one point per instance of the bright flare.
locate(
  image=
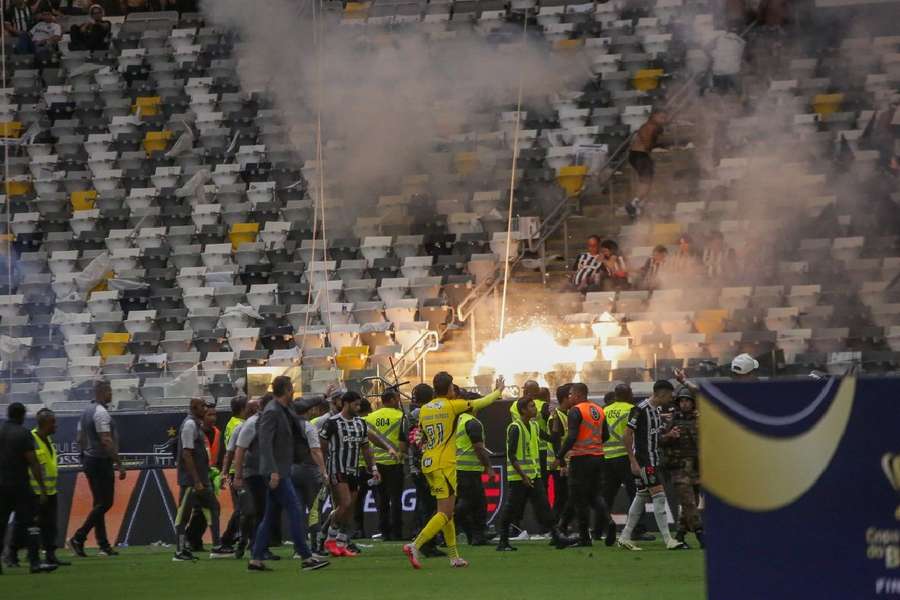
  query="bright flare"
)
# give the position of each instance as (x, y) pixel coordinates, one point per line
(530, 351)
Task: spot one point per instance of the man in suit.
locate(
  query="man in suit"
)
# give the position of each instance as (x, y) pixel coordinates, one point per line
(282, 441)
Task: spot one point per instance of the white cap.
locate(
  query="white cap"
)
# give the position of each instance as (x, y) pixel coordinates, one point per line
(744, 364)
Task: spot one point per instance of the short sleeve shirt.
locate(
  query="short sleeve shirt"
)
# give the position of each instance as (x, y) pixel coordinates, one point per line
(15, 442)
(102, 420)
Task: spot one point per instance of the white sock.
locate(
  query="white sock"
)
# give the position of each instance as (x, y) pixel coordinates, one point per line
(634, 514)
(662, 521)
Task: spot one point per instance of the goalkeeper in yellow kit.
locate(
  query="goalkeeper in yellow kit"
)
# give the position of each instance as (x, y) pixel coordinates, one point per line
(437, 422)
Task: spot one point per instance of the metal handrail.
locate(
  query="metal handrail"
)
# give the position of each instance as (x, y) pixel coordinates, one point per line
(560, 212)
(429, 342)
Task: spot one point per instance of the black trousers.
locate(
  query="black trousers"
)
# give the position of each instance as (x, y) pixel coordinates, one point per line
(471, 504)
(47, 519)
(562, 505)
(101, 478)
(389, 498)
(233, 528)
(359, 511)
(586, 481)
(517, 497)
(252, 499)
(190, 500)
(22, 501)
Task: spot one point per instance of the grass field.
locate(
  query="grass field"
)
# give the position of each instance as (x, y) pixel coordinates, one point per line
(536, 571)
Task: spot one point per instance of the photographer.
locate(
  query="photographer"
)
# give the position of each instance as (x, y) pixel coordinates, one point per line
(93, 35)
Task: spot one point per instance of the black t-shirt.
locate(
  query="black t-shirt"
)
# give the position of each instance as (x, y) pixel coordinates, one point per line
(475, 430)
(645, 421)
(15, 441)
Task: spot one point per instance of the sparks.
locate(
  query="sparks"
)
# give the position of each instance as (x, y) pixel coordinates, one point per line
(530, 351)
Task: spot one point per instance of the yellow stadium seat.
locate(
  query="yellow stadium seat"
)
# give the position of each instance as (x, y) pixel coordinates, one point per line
(243, 233)
(17, 188)
(571, 179)
(102, 286)
(113, 344)
(356, 10)
(710, 321)
(647, 79)
(83, 200)
(352, 358)
(666, 233)
(466, 162)
(11, 129)
(147, 105)
(825, 104)
(156, 141)
(568, 45)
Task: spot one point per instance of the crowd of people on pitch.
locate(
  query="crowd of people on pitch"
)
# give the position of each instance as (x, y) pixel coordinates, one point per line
(312, 461)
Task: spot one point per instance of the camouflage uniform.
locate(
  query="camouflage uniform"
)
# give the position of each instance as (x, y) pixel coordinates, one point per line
(681, 462)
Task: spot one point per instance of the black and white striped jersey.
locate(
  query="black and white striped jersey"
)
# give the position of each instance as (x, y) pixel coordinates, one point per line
(646, 422)
(346, 438)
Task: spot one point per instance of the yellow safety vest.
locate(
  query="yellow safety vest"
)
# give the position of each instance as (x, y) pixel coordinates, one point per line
(466, 459)
(46, 457)
(617, 421)
(539, 419)
(564, 420)
(527, 451)
(387, 422)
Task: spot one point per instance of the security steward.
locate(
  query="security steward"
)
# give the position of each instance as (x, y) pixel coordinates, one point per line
(681, 461)
(559, 429)
(47, 512)
(388, 421)
(523, 477)
(472, 460)
(584, 454)
(531, 390)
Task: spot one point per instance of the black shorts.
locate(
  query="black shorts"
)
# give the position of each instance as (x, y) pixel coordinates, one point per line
(642, 163)
(351, 479)
(649, 477)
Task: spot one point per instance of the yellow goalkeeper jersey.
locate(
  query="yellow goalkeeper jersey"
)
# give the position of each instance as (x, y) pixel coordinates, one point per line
(438, 422)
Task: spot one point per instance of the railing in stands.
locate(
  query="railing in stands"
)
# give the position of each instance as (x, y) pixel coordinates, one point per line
(414, 356)
(561, 212)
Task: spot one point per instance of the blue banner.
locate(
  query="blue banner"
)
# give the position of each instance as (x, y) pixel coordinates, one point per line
(802, 482)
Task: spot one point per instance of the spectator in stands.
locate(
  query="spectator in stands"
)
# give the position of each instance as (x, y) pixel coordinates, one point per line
(650, 274)
(43, 38)
(726, 53)
(93, 35)
(615, 272)
(588, 266)
(744, 366)
(685, 261)
(774, 14)
(18, 19)
(639, 157)
(718, 259)
(736, 13)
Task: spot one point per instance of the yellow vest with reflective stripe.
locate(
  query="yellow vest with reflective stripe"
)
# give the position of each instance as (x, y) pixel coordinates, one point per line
(466, 459)
(527, 451)
(542, 424)
(387, 422)
(46, 457)
(564, 419)
(617, 420)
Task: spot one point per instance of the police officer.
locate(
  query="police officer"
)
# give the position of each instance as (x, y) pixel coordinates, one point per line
(584, 453)
(472, 460)
(388, 421)
(681, 461)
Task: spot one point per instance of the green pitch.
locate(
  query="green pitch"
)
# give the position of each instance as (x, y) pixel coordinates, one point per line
(536, 571)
